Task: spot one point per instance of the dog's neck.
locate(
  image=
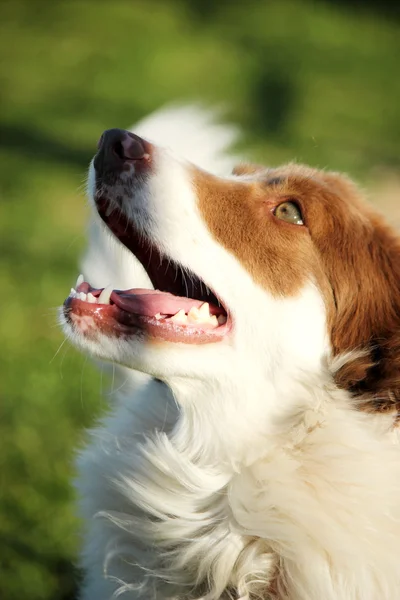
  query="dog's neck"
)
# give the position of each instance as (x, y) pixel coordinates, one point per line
(178, 500)
(233, 423)
(189, 492)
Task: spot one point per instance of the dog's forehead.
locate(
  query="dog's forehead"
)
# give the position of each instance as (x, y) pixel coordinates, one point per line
(323, 191)
(259, 173)
(249, 169)
(290, 177)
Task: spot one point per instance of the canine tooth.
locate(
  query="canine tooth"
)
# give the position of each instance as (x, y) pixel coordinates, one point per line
(158, 316)
(91, 298)
(221, 319)
(80, 280)
(104, 297)
(204, 310)
(179, 317)
(194, 315)
(72, 293)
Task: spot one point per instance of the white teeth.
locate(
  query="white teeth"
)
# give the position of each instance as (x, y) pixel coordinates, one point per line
(194, 315)
(204, 310)
(80, 280)
(180, 317)
(82, 296)
(90, 298)
(213, 321)
(104, 297)
(202, 316)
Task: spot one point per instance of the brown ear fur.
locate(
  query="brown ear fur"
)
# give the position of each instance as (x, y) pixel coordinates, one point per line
(365, 276)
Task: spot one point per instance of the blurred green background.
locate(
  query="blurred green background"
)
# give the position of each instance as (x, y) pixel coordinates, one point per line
(316, 81)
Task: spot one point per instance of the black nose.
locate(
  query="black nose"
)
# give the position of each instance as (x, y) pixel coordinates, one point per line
(117, 147)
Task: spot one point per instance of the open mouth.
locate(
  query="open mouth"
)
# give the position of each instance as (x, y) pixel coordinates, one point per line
(181, 308)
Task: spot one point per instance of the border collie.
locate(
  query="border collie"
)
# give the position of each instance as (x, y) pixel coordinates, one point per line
(254, 318)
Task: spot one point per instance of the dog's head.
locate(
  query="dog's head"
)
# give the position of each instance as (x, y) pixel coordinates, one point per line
(258, 277)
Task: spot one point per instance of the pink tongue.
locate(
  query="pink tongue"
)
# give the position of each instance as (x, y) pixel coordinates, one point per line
(151, 302)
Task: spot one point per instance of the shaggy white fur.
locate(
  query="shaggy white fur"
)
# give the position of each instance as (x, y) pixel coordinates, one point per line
(245, 466)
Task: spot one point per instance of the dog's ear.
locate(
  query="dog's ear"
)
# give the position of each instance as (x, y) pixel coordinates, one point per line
(366, 320)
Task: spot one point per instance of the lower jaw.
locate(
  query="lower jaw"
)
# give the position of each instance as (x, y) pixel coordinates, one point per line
(157, 330)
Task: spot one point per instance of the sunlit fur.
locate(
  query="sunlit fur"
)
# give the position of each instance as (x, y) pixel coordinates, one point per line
(237, 469)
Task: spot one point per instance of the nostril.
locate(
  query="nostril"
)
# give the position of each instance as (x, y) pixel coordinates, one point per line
(128, 149)
(118, 149)
(132, 147)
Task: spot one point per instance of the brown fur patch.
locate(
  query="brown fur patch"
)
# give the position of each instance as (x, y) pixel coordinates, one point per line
(344, 246)
(248, 169)
(279, 256)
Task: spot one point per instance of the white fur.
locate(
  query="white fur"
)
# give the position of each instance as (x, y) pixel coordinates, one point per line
(190, 131)
(245, 460)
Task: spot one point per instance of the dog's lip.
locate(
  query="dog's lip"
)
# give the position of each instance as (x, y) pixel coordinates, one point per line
(133, 311)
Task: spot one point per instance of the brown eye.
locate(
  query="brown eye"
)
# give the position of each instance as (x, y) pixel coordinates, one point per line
(289, 212)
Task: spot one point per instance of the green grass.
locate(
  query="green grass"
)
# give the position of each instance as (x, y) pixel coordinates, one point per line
(309, 80)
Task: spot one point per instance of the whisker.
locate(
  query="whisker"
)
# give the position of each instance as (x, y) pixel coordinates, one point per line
(111, 393)
(82, 372)
(168, 266)
(151, 253)
(59, 348)
(185, 282)
(51, 312)
(66, 349)
(113, 379)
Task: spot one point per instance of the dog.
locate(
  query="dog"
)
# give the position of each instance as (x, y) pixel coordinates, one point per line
(253, 315)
